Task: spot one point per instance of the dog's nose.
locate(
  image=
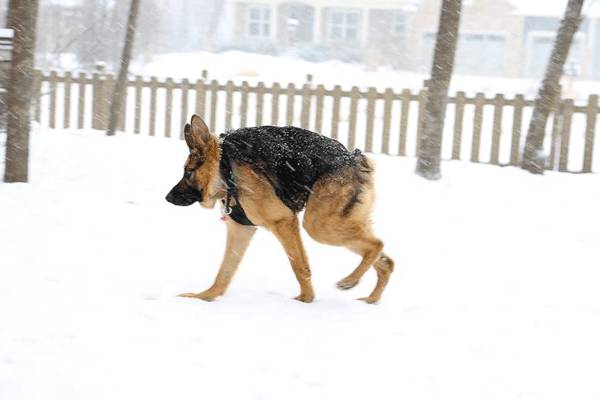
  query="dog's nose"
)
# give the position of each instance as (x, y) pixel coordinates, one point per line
(170, 198)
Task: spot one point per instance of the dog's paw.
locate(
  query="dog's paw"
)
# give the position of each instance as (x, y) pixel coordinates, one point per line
(369, 300)
(346, 284)
(305, 298)
(206, 295)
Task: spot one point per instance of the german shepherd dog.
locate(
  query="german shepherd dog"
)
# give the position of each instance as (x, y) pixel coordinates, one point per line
(264, 176)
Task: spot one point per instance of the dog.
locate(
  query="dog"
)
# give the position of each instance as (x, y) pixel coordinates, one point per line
(264, 176)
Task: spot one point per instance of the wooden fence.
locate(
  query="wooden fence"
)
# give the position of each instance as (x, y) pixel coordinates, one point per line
(479, 129)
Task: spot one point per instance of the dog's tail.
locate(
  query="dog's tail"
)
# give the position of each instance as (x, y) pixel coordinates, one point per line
(363, 167)
(362, 175)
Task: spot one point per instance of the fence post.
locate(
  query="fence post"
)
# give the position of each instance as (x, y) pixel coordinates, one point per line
(497, 129)
(82, 80)
(214, 97)
(168, 106)
(354, 96)
(137, 119)
(244, 105)
(67, 100)
(477, 125)
(590, 129)
(200, 98)
(388, 98)
(183, 118)
(565, 135)
(556, 129)
(289, 115)
(228, 104)
(306, 98)
(335, 112)
(153, 90)
(459, 116)
(275, 104)
(53, 88)
(320, 94)
(371, 104)
(515, 144)
(405, 109)
(260, 103)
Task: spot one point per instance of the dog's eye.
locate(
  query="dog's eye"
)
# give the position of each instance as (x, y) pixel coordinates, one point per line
(187, 174)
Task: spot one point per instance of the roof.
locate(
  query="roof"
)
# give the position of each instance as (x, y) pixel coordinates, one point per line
(552, 8)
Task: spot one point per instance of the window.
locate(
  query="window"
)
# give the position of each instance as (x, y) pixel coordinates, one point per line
(398, 23)
(344, 25)
(259, 21)
(481, 54)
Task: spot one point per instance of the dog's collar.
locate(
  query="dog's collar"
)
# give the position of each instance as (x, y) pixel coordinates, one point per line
(235, 212)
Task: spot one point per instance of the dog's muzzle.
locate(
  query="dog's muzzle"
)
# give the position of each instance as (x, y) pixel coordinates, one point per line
(183, 194)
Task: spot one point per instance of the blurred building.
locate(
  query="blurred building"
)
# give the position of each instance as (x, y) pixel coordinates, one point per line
(510, 38)
(357, 30)
(498, 37)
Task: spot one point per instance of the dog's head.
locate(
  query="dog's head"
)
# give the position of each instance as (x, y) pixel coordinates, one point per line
(200, 172)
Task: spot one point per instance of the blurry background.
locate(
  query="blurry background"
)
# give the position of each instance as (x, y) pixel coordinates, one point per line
(499, 38)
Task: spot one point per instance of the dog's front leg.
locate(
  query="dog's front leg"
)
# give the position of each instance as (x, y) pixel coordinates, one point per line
(238, 239)
(288, 233)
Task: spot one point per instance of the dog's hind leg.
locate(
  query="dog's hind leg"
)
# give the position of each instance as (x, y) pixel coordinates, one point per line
(369, 249)
(338, 213)
(384, 267)
(238, 239)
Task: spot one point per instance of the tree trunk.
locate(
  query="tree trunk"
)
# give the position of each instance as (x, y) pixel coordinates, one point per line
(533, 158)
(429, 149)
(22, 18)
(120, 90)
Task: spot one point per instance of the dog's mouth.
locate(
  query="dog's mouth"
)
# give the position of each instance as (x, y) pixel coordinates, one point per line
(184, 195)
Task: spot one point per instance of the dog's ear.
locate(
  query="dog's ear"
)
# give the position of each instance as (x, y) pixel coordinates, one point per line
(187, 134)
(199, 132)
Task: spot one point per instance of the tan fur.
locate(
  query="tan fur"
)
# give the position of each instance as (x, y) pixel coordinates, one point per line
(264, 208)
(327, 218)
(324, 222)
(207, 176)
(238, 240)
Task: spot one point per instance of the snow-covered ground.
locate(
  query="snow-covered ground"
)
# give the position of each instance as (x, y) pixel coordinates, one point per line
(495, 294)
